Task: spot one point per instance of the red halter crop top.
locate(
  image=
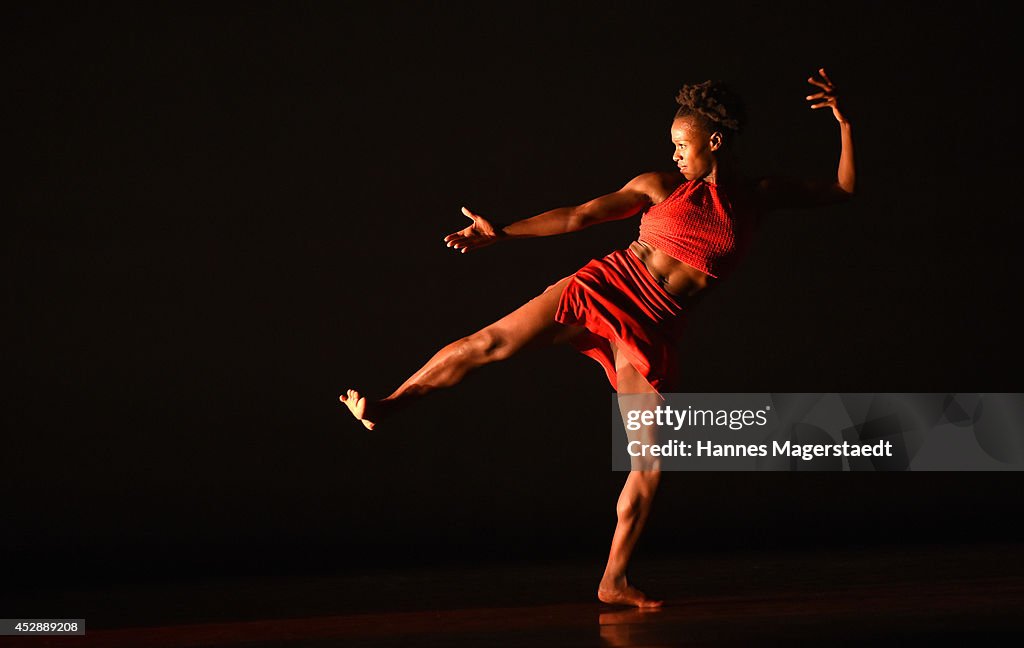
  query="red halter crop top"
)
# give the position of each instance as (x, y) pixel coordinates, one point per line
(697, 225)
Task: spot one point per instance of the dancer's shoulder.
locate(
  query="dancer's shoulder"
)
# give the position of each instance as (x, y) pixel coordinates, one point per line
(657, 185)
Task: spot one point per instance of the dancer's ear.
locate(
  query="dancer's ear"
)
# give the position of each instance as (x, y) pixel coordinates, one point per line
(715, 140)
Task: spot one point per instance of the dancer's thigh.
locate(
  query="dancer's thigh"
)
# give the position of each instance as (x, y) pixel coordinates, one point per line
(635, 393)
(532, 324)
(628, 379)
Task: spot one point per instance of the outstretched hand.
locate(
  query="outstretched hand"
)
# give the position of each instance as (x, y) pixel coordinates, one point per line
(829, 96)
(480, 234)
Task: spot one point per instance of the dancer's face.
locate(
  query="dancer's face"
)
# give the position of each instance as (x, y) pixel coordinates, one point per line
(695, 148)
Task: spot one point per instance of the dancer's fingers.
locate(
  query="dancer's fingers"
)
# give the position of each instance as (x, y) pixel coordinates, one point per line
(472, 241)
(469, 214)
(821, 71)
(468, 241)
(817, 96)
(820, 84)
(823, 104)
(454, 236)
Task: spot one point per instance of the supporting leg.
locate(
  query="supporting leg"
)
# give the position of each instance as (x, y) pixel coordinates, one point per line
(635, 501)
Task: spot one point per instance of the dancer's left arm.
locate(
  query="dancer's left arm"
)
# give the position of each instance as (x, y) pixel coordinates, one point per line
(780, 193)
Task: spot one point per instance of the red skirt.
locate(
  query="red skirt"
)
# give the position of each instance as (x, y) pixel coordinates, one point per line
(616, 298)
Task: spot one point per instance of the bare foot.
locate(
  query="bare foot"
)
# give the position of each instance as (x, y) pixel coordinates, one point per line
(357, 405)
(619, 592)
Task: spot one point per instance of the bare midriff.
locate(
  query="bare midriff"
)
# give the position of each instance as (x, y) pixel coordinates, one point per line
(676, 277)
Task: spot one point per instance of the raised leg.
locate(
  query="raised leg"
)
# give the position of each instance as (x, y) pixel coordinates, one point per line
(531, 325)
(636, 499)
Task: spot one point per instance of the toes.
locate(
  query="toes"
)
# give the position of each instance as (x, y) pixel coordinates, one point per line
(349, 395)
(357, 405)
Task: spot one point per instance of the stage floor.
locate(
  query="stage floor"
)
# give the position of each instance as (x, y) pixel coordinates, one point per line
(880, 595)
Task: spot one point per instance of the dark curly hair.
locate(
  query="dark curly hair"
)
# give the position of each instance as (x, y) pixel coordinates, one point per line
(715, 106)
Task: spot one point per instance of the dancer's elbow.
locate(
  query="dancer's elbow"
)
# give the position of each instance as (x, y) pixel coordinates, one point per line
(577, 219)
(584, 216)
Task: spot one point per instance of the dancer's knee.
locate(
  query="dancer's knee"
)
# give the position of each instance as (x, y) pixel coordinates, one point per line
(482, 347)
(647, 481)
(631, 506)
(627, 508)
(638, 495)
(651, 479)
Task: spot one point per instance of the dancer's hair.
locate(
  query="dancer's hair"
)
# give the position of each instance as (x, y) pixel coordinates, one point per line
(714, 105)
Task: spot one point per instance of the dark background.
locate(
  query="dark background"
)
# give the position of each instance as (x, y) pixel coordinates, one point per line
(221, 217)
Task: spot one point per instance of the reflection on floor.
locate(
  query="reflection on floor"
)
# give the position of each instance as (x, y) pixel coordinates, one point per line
(885, 596)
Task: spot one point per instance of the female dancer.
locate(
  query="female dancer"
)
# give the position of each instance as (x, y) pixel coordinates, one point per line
(625, 310)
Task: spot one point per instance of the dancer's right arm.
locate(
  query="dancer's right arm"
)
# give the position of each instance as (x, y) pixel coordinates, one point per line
(633, 198)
